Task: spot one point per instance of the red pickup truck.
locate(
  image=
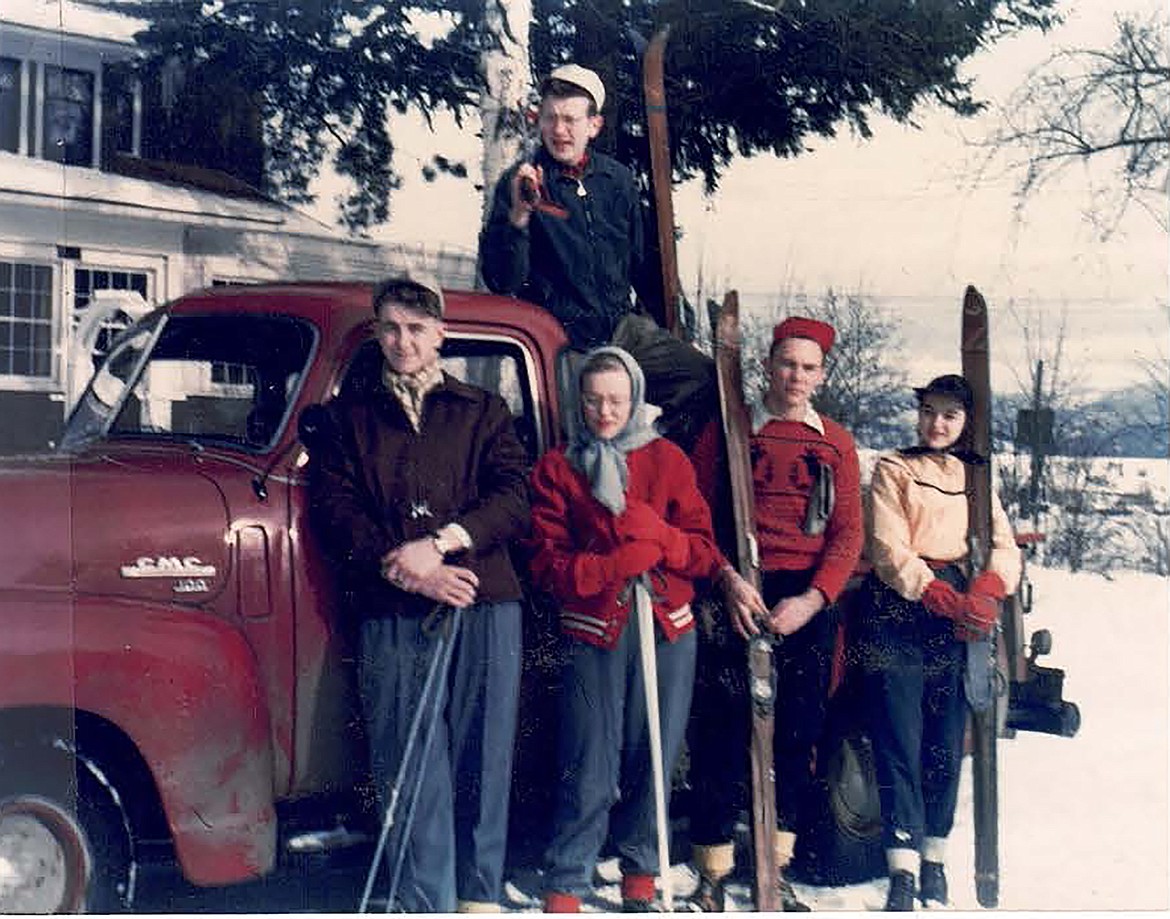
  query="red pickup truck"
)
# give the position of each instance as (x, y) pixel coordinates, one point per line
(174, 672)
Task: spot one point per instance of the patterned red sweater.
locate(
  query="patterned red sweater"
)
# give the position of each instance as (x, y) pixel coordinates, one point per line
(573, 532)
(783, 480)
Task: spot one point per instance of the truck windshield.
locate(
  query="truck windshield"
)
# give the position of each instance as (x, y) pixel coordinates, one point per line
(226, 380)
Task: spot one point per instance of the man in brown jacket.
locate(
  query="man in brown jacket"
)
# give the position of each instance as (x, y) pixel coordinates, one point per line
(416, 499)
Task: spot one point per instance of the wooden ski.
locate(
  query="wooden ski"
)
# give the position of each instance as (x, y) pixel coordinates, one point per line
(982, 657)
(761, 678)
(658, 136)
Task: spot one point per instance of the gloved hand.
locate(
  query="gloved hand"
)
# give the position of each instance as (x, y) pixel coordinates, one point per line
(632, 558)
(988, 584)
(942, 599)
(640, 521)
(980, 606)
(594, 572)
(980, 613)
(975, 611)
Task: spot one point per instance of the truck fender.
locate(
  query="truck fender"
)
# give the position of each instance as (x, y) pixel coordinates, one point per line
(184, 686)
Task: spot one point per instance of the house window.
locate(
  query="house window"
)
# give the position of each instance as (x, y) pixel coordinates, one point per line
(26, 319)
(9, 104)
(68, 113)
(118, 94)
(88, 280)
(230, 374)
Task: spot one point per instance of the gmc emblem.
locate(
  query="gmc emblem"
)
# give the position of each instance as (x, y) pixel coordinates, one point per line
(168, 566)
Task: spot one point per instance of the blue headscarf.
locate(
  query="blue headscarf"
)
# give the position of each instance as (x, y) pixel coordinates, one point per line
(603, 462)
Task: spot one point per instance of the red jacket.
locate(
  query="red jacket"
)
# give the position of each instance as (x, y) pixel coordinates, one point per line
(573, 534)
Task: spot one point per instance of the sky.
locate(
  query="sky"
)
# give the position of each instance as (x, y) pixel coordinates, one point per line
(901, 219)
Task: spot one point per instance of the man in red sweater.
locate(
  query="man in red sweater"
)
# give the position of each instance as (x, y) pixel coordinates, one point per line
(810, 532)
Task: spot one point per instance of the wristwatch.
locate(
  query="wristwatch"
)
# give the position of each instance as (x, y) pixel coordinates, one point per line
(444, 542)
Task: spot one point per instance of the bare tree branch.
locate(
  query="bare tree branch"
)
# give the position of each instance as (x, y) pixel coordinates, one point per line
(1110, 105)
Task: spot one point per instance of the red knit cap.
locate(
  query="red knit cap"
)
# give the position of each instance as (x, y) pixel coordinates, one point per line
(803, 327)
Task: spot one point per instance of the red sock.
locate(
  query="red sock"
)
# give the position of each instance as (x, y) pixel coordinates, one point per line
(557, 902)
(638, 887)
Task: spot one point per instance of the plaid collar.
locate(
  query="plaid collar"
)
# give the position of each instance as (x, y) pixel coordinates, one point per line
(411, 389)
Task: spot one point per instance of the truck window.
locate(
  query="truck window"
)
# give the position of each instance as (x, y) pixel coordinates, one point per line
(499, 365)
(180, 390)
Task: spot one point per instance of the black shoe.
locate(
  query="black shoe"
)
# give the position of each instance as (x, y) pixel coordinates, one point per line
(788, 901)
(932, 883)
(637, 906)
(710, 897)
(900, 899)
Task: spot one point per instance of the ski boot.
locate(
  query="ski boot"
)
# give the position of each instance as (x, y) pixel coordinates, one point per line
(900, 899)
(932, 884)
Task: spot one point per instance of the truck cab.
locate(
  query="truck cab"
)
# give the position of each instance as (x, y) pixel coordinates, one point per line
(174, 664)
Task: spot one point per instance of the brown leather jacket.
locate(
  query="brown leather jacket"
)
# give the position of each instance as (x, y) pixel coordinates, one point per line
(378, 484)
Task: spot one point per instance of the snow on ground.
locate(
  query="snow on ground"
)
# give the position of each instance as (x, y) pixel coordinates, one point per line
(1084, 821)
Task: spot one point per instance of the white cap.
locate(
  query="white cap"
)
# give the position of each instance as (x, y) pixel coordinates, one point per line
(583, 77)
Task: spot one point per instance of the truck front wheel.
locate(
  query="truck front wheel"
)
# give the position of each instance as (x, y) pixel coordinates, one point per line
(65, 842)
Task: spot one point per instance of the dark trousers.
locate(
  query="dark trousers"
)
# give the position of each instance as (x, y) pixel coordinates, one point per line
(457, 841)
(720, 728)
(606, 782)
(917, 713)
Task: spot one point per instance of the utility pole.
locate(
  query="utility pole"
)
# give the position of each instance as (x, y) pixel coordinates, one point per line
(1034, 430)
(1037, 449)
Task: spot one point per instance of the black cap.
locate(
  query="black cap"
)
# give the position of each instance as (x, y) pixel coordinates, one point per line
(949, 384)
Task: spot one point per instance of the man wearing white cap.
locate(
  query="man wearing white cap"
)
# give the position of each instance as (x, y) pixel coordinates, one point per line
(565, 229)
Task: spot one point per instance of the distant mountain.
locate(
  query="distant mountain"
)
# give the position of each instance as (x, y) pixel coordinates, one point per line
(1137, 419)
(1123, 423)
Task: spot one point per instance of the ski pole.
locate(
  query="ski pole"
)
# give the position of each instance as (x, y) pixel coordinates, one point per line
(645, 614)
(407, 755)
(435, 701)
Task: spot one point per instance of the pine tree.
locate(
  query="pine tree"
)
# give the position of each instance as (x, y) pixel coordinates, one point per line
(321, 76)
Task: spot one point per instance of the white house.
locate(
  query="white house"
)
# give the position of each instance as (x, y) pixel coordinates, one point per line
(70, 225)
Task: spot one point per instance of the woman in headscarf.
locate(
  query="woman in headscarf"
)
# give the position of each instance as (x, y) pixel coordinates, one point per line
(619, 504)
(924, 604)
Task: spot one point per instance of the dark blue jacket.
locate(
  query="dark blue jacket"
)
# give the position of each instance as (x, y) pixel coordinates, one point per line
(579, 268)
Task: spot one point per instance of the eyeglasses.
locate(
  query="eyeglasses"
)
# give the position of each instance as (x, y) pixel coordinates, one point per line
(551, 119)
(597, 403)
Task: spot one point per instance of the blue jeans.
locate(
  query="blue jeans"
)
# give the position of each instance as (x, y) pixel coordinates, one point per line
(458, 838)
(913, 668)
(606, 782)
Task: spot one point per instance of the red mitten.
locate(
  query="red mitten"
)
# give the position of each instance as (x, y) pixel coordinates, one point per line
(988, 584)
(942, 599)
(980, 613)
(676, 547)
(632, 558)
(638, 521)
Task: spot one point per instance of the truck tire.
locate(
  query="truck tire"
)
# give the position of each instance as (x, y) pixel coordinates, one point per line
(65, 841)
(840, 842)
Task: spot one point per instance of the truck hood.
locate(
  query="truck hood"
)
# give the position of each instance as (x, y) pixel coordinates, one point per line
(35, 510)
(145, 526)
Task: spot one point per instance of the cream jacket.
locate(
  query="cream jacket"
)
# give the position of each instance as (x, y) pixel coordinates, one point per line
(918, 510)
